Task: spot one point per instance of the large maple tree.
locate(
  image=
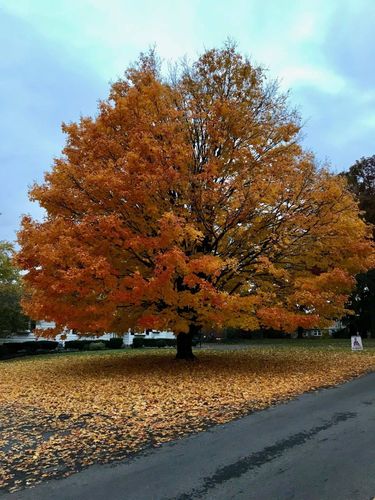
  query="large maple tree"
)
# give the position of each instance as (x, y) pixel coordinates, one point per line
(189, 202)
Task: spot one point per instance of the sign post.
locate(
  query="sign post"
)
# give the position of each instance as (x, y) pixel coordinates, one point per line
(357, 343)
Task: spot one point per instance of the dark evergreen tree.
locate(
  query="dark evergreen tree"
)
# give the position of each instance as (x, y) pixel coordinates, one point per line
(361, 181)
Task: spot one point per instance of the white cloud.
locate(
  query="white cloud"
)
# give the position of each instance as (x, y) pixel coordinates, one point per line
(321, 78)
(110, 34)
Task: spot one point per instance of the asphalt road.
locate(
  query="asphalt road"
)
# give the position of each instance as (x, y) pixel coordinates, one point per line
(317, 447)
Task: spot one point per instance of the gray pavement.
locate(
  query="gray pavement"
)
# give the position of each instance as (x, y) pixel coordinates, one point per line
(320, 446)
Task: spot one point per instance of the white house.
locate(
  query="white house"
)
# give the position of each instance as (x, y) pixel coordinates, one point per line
(336, 326)
(127, 337)
(69, 335)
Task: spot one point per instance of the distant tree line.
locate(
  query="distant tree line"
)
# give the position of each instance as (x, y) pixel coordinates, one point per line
(361, 181)
(12, 318)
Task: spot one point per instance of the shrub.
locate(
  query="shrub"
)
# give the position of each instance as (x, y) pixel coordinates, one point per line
(275, 334)
(344, 333)
(145, 342)
(47, 345)
(96, 346)
(231, 333)
(152, 342)
(138, 342)
(81, 345)
(13, 347)
(114, 343)
(3, 351)
(170, 342)
(31, 346)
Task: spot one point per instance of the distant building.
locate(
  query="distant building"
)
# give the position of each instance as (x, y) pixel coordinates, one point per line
(127, 337)
(69, 335)
(320, 332)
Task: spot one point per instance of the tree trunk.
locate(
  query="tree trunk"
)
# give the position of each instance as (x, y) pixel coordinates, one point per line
(184, 344)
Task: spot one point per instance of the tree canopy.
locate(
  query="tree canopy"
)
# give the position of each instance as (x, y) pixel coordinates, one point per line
(361, 181)
(12, 318)
(189, 201)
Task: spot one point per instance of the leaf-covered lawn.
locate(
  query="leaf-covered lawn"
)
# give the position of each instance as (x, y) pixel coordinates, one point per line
(61, 413)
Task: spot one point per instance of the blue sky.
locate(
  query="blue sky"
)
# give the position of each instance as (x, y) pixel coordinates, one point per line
(58, 57)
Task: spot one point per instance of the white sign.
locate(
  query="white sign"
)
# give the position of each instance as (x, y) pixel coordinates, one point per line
(357, 343)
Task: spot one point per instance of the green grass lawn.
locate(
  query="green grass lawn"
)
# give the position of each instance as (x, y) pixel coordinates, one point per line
(320, 343)
(329, 344)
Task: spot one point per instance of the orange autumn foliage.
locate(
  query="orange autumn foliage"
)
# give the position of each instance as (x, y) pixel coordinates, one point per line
(190, 201)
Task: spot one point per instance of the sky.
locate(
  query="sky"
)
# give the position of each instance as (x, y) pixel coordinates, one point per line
(58, 58)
